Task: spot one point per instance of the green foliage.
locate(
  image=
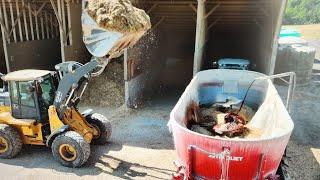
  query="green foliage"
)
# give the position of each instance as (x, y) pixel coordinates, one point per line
(302, 12)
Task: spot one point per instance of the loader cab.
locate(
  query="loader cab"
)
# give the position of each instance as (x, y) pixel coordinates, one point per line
(31, 93)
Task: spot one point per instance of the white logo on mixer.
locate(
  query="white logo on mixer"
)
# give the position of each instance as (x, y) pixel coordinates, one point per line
(222, 155)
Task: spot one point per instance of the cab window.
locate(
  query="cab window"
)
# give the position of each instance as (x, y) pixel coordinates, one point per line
(26, 97)
(47, 91)
(14, 93)
(22, 101)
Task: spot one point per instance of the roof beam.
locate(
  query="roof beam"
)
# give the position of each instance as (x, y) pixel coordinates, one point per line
(212, 10)
(172, 2)
(193, 8)
(213, 23)
(152, 8)
(158, 23)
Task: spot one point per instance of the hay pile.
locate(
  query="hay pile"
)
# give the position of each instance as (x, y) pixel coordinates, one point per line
(106, 90)
(118, 15)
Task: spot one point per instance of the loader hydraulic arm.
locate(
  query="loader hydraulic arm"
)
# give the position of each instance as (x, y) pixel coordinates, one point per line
(101, 43)
(73, 81)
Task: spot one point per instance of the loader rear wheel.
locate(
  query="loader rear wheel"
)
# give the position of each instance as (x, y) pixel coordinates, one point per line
(70, 149)
(10, 142)
(103, 126)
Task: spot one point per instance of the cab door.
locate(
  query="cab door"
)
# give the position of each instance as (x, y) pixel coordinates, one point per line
(14, 100)
(27, 101)
(23, 101)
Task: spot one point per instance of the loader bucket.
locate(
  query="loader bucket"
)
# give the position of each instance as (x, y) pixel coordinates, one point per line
(101, 42)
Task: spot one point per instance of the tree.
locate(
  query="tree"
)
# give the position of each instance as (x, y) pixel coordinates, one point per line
(302, 12)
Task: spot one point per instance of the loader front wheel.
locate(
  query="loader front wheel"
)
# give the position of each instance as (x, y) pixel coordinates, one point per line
(70, 149)
(103, 126)
(10, 142)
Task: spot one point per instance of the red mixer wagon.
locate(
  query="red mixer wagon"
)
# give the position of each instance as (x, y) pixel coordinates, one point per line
(212, 157)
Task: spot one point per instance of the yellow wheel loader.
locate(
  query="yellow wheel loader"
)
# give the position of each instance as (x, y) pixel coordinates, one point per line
(40, 107)
(43, 111)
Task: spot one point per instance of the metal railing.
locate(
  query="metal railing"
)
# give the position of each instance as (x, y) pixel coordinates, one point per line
(291, 83)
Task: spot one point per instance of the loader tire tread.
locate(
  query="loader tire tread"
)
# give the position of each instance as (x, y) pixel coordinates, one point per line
(11, 135)
(78, 142)
(104, 126)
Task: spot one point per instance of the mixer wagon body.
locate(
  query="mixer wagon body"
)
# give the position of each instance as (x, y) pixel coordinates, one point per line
(212, 157)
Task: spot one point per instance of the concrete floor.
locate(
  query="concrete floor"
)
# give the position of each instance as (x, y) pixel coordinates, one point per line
(304, 146)
(141, 147)
(303, 150)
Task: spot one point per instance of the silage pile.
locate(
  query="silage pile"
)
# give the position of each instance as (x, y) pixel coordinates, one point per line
(106, 90)
(118, 15)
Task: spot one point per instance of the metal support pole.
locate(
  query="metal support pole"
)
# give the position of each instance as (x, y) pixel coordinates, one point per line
(42, 26)
(25, 20)
(275, 38)
(13, 25)
(47, 24)
(126, 83)
(19, 21)
(5, 17)
(200, 36)
(69, 23)
(57, 12)
(4, 40)
(61, 28)
(292, 85)
(62, 40)
(30, 21)
(51, 27)
(37, 26)
(63, 18)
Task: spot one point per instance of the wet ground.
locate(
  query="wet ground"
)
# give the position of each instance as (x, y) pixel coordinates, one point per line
(141, 147)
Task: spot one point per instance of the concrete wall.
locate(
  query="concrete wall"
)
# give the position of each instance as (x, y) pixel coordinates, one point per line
(77, 51)
(178, 59)
(145, 65)
(159, 64)
(39, 54)
(80, 53)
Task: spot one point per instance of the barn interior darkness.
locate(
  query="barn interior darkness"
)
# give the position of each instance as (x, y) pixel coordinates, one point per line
(175, 39)
(30, 35)
(226, 29)
(234, 29)
(244, 30)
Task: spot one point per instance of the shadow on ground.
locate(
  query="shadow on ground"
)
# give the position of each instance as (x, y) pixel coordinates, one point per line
(128, 170)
